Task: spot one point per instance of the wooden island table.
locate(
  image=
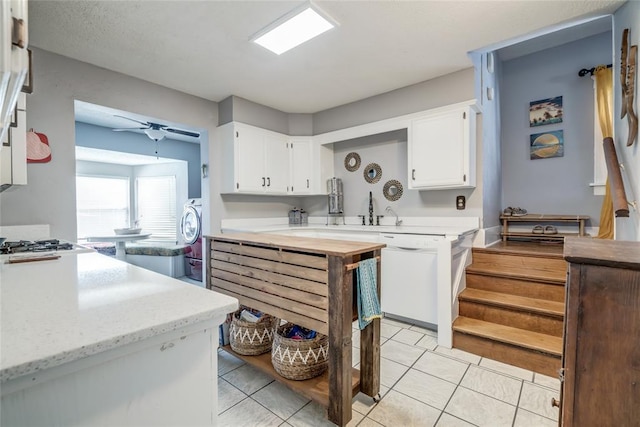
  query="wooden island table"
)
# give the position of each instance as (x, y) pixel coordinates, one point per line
(310, 282)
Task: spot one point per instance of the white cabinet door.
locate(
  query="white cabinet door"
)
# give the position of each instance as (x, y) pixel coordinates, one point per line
(276, 159)
(441, 149)
(302, 166)
(249, 159)
(14, 58)
(13, 151)
(260, 161)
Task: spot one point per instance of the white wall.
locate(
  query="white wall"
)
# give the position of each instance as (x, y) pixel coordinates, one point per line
(628, 16)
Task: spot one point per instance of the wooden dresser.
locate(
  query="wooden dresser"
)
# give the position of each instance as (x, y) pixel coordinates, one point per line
(601, 358)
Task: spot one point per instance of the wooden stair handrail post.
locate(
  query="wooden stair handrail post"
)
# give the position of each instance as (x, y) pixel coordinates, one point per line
(618, 196)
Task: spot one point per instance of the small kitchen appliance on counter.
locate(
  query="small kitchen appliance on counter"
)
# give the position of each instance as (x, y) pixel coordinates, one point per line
(336, 198)
(298, 217)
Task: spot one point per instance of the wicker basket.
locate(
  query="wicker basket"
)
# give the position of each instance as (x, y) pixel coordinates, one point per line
(251, 339)
(299, 359)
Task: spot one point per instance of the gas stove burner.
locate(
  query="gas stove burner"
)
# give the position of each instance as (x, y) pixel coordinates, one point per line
(34, 246)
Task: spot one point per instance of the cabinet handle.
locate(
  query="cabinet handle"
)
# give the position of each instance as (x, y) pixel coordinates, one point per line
(307, 183)
(263, 181)
(17, 33)
(413, 174)
(7, 142)
(268, 182)
(555, 402)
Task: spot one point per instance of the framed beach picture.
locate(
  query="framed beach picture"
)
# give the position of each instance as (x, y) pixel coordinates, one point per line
(545, 111)
(546, 145)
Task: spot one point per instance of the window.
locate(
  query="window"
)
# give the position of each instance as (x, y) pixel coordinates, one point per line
(102, 204)
(156, 206)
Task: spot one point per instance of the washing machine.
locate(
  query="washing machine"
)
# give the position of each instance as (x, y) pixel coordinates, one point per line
(191, 231)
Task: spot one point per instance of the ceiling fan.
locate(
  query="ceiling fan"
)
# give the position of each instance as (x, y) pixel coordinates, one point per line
(156, 131)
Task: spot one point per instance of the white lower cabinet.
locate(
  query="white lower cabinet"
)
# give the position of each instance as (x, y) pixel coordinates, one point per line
(169, 379)
(13, 152)
(442, 148)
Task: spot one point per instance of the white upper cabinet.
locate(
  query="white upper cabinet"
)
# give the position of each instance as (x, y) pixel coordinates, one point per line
(311, 165)
(276, 166)
(14, 58)
(442, 148)
(301, 165)
(13, 151)
(260, 160)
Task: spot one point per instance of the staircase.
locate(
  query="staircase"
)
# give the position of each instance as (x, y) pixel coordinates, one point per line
(512, 309)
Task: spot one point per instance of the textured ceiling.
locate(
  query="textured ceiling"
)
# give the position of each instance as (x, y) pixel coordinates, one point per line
(202, 47)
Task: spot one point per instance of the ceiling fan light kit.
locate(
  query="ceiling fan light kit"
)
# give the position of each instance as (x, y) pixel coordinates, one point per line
(155, 134)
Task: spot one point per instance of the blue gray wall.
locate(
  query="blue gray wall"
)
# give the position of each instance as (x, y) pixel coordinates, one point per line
(128, 142)
(556, 185)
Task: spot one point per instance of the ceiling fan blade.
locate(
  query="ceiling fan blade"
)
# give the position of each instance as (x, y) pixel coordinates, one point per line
(123, 129)
(182, 132)
(133, 120)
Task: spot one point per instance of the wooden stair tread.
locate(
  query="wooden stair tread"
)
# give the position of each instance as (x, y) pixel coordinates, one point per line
(551, 278)
(513, 336)
(534, 249)
(520, 303)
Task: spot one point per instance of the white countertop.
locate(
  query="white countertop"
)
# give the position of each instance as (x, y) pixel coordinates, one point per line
(434, 226)
(55, 312)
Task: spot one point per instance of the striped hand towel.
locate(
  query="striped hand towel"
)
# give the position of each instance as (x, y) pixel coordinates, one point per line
(368, 303)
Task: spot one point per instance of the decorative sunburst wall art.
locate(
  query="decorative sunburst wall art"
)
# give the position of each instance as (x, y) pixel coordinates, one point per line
(546, 145)
(545, 112)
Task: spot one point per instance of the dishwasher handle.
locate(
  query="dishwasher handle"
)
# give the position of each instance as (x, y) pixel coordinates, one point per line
(403, 248)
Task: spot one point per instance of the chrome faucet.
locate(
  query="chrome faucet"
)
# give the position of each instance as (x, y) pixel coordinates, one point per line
(391, 211)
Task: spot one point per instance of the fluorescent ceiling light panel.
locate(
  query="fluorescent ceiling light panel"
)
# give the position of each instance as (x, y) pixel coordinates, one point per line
(293, 31)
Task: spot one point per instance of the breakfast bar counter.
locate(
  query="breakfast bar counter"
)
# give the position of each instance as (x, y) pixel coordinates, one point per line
(87, 339)
(309, 282)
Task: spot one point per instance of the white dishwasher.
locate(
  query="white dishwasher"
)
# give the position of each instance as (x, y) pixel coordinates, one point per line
(409, 282)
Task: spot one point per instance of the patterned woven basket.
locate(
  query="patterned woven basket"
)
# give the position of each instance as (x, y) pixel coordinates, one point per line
(299, 359)
(251, 339)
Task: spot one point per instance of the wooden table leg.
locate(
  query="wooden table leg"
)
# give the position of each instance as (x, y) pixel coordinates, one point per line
(370, 351)
(341, 299)
(581, 227)
(505, 227)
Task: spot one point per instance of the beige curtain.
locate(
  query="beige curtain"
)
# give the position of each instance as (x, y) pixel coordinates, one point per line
(604, 95)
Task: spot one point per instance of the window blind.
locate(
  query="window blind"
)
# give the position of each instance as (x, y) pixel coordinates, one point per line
(156, 206)
(102, 205)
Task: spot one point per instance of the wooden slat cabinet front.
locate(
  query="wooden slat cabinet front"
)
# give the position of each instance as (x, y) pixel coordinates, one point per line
(601, 357)
(309, 282)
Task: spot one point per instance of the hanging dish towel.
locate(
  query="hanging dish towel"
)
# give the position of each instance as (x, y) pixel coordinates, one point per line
(368, 303)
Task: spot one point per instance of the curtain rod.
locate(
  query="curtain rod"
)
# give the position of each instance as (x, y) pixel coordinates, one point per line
(585, 71)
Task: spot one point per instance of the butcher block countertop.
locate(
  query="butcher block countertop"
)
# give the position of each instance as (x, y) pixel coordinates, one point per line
(59, 311)
(304, 244)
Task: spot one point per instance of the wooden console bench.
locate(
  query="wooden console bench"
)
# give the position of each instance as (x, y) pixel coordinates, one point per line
(309, 282)
(542, 219)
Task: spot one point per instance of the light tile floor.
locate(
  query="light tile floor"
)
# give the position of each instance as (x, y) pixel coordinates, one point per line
(422, 385)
